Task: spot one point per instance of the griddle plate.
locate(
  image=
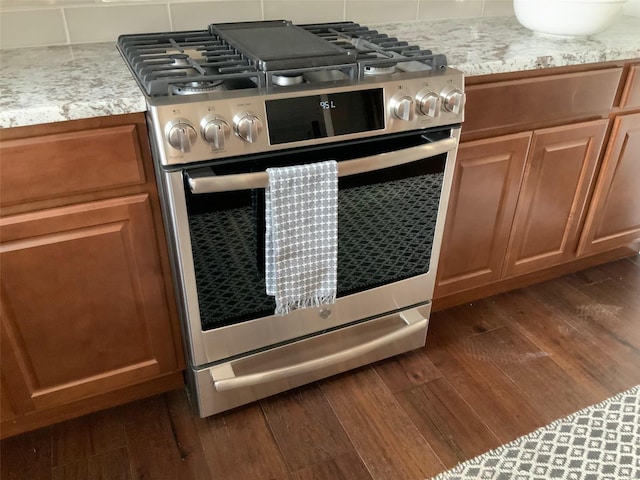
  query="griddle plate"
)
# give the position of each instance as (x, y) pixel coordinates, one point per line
(280, 45)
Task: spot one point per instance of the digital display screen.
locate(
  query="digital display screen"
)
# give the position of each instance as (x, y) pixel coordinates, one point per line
(320, 116)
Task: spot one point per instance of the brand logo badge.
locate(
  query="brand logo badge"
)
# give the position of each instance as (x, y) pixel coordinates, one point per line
(325, 313)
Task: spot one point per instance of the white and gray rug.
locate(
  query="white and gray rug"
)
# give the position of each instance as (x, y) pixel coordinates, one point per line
(600, 442)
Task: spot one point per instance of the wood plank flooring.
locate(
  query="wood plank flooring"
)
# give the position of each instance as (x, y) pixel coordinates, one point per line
(492, 370)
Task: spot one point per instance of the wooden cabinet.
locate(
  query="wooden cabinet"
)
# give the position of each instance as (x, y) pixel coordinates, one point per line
(67, 163)
(559, 172)
(614, 217)
(631, 92)
(86, 310)
(82, 300)
(6, 409)
(516, 204)
(538, 101)
(534, 193)
(485, 190)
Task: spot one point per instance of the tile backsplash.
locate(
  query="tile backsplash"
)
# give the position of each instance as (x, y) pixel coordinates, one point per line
(64, 22)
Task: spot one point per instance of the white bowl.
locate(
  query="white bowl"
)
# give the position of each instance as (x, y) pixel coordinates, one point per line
(567, 18)
(632, 7)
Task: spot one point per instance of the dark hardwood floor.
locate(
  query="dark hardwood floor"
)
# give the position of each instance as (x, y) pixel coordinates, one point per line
(492, 370)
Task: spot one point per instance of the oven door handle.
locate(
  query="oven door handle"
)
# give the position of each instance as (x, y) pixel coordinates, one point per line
(224, 377)
(202, 181)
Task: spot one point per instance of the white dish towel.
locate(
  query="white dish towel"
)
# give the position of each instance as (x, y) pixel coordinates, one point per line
(301, 237)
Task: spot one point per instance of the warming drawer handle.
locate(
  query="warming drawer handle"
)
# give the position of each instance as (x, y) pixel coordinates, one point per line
(207, 183)
(415, 323)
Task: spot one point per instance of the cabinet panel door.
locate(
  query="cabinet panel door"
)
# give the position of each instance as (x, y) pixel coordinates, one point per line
(83, 306)
(631, 94)
(481, 208)
(6, 409)
(614, 218)
(558, 174)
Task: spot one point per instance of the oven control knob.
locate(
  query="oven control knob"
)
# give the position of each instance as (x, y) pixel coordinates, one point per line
(215, 131)
(428, 103)
(247, 126)
(452, 100)
(402, 106)
(181, 135)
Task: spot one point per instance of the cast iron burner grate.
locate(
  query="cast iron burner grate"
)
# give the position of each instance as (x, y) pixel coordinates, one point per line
(199, 60)
(374, 48)
(202, 57)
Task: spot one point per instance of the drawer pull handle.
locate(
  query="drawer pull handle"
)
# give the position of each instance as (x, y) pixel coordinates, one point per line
(225, 379)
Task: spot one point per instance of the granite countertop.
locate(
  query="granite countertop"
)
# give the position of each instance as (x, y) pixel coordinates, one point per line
(52, 84)
(483, 46)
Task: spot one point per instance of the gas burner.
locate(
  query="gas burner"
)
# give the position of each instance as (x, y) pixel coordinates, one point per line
(265, 53)
(373, 70)
(179, 59)
(287, 80)
(193, 88)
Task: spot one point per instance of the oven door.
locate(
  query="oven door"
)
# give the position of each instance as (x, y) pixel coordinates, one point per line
(392, 197)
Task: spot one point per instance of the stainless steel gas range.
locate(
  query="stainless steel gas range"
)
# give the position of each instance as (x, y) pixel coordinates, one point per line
(225, 104)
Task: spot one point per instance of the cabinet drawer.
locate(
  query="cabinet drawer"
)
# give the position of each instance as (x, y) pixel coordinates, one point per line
(48, 166)
(631, 92)
(529, 102)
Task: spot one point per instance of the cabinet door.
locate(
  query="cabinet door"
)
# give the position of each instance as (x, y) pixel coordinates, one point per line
(7, 412)
(83, 306)
(614, 217)
(481, 208)
(558, 174)
(631, 93)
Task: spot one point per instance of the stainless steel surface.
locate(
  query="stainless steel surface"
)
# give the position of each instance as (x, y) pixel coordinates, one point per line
(453, 100)
(195, 88)
(402, 106)
(233, 107)
(247, 181)
(406, 92)
(173, 202)
(180, 135)
(212, 401)
(287, 80)
(428, 103)
(215, 345)
(215, 131)
(247, 126)
(379, 70)
(224, 378)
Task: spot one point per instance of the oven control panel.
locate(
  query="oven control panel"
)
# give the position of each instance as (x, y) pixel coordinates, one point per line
(221, 125)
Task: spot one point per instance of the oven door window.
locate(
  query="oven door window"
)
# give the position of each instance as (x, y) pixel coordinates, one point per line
(386, 223)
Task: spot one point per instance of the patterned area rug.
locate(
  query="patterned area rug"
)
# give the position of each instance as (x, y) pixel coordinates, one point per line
(601, 442)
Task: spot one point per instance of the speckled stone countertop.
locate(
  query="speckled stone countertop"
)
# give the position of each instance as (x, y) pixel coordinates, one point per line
(483, 46)
(52, 84)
